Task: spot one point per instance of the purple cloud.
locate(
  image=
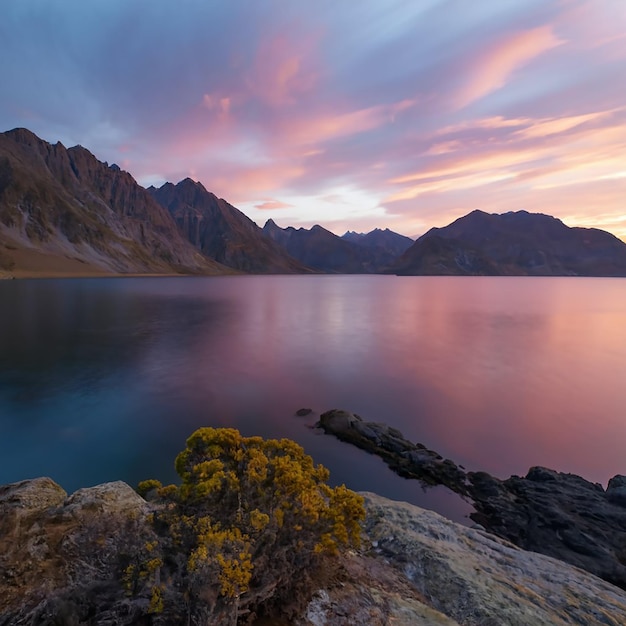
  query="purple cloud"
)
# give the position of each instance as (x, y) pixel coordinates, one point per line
(411, 113)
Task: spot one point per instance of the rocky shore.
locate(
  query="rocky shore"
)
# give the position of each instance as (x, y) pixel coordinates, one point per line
(415, 567)
(557, 514)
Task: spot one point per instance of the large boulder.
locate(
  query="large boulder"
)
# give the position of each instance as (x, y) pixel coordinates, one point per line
(478, 579)
(58, 554)
(28, 496)
(109, 498)
(616, 490)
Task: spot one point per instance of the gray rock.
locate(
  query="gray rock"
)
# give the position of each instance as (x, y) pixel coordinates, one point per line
(115, 497)
(477, 579)
(616, 490)
(415, 566)
(31, 495)
(541, 474)
(53, 548)
(558, 514)
(338, 421)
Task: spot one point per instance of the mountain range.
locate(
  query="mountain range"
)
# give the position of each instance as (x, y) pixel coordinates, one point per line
(392, 243)
(326, 252)
(64, 212)
(515, 243)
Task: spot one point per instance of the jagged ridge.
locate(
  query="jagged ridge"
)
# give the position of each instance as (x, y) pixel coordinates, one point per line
(222, 232)
(68, 204)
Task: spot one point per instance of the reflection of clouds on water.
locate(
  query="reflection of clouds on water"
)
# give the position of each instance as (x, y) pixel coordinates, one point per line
(104, 379)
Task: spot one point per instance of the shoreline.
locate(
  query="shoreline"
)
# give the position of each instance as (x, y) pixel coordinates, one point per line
(29, 275)
(557, 514)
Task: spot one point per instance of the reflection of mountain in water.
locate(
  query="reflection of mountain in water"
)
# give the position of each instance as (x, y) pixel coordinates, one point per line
(91, 333)
(105, 378)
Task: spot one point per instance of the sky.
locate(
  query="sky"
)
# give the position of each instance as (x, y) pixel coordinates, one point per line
(400, 114)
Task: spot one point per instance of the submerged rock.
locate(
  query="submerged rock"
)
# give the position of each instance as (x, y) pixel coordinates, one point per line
(410, 460)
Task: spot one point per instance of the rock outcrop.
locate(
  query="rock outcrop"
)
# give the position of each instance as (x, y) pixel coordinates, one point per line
(409, 460)
(474, 578)
(558, 514)
(57, 558)
(58, 554)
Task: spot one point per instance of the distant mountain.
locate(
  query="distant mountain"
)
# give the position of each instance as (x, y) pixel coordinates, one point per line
(353, 236)
(326, 252)
(514, 243)
(63, 208)
(392, 243)
(222, 232)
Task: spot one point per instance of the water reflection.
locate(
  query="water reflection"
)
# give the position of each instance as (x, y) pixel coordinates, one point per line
(104, 379)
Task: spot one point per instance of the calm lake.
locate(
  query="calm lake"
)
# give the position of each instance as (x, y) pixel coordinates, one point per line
(104, 379)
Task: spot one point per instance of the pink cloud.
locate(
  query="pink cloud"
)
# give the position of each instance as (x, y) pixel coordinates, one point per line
(536, 154)
(251, 181)
(270, 205)
(492, 69)
(554, 126)
(324, 127)
(591, 29)
(284, 70)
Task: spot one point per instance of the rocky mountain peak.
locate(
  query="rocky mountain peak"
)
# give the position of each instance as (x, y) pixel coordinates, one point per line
(68, 204)
(221, 231)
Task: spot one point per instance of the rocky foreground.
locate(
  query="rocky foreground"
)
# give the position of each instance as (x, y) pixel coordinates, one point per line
(560, 515)
(415, 567)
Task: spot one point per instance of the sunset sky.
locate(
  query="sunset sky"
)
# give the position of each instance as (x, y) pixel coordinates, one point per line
(403, 114)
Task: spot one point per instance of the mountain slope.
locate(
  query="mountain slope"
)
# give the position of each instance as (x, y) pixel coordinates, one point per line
(222, 232)
(515, 243)
(389, 241)
(324, 251)
(63, 206)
